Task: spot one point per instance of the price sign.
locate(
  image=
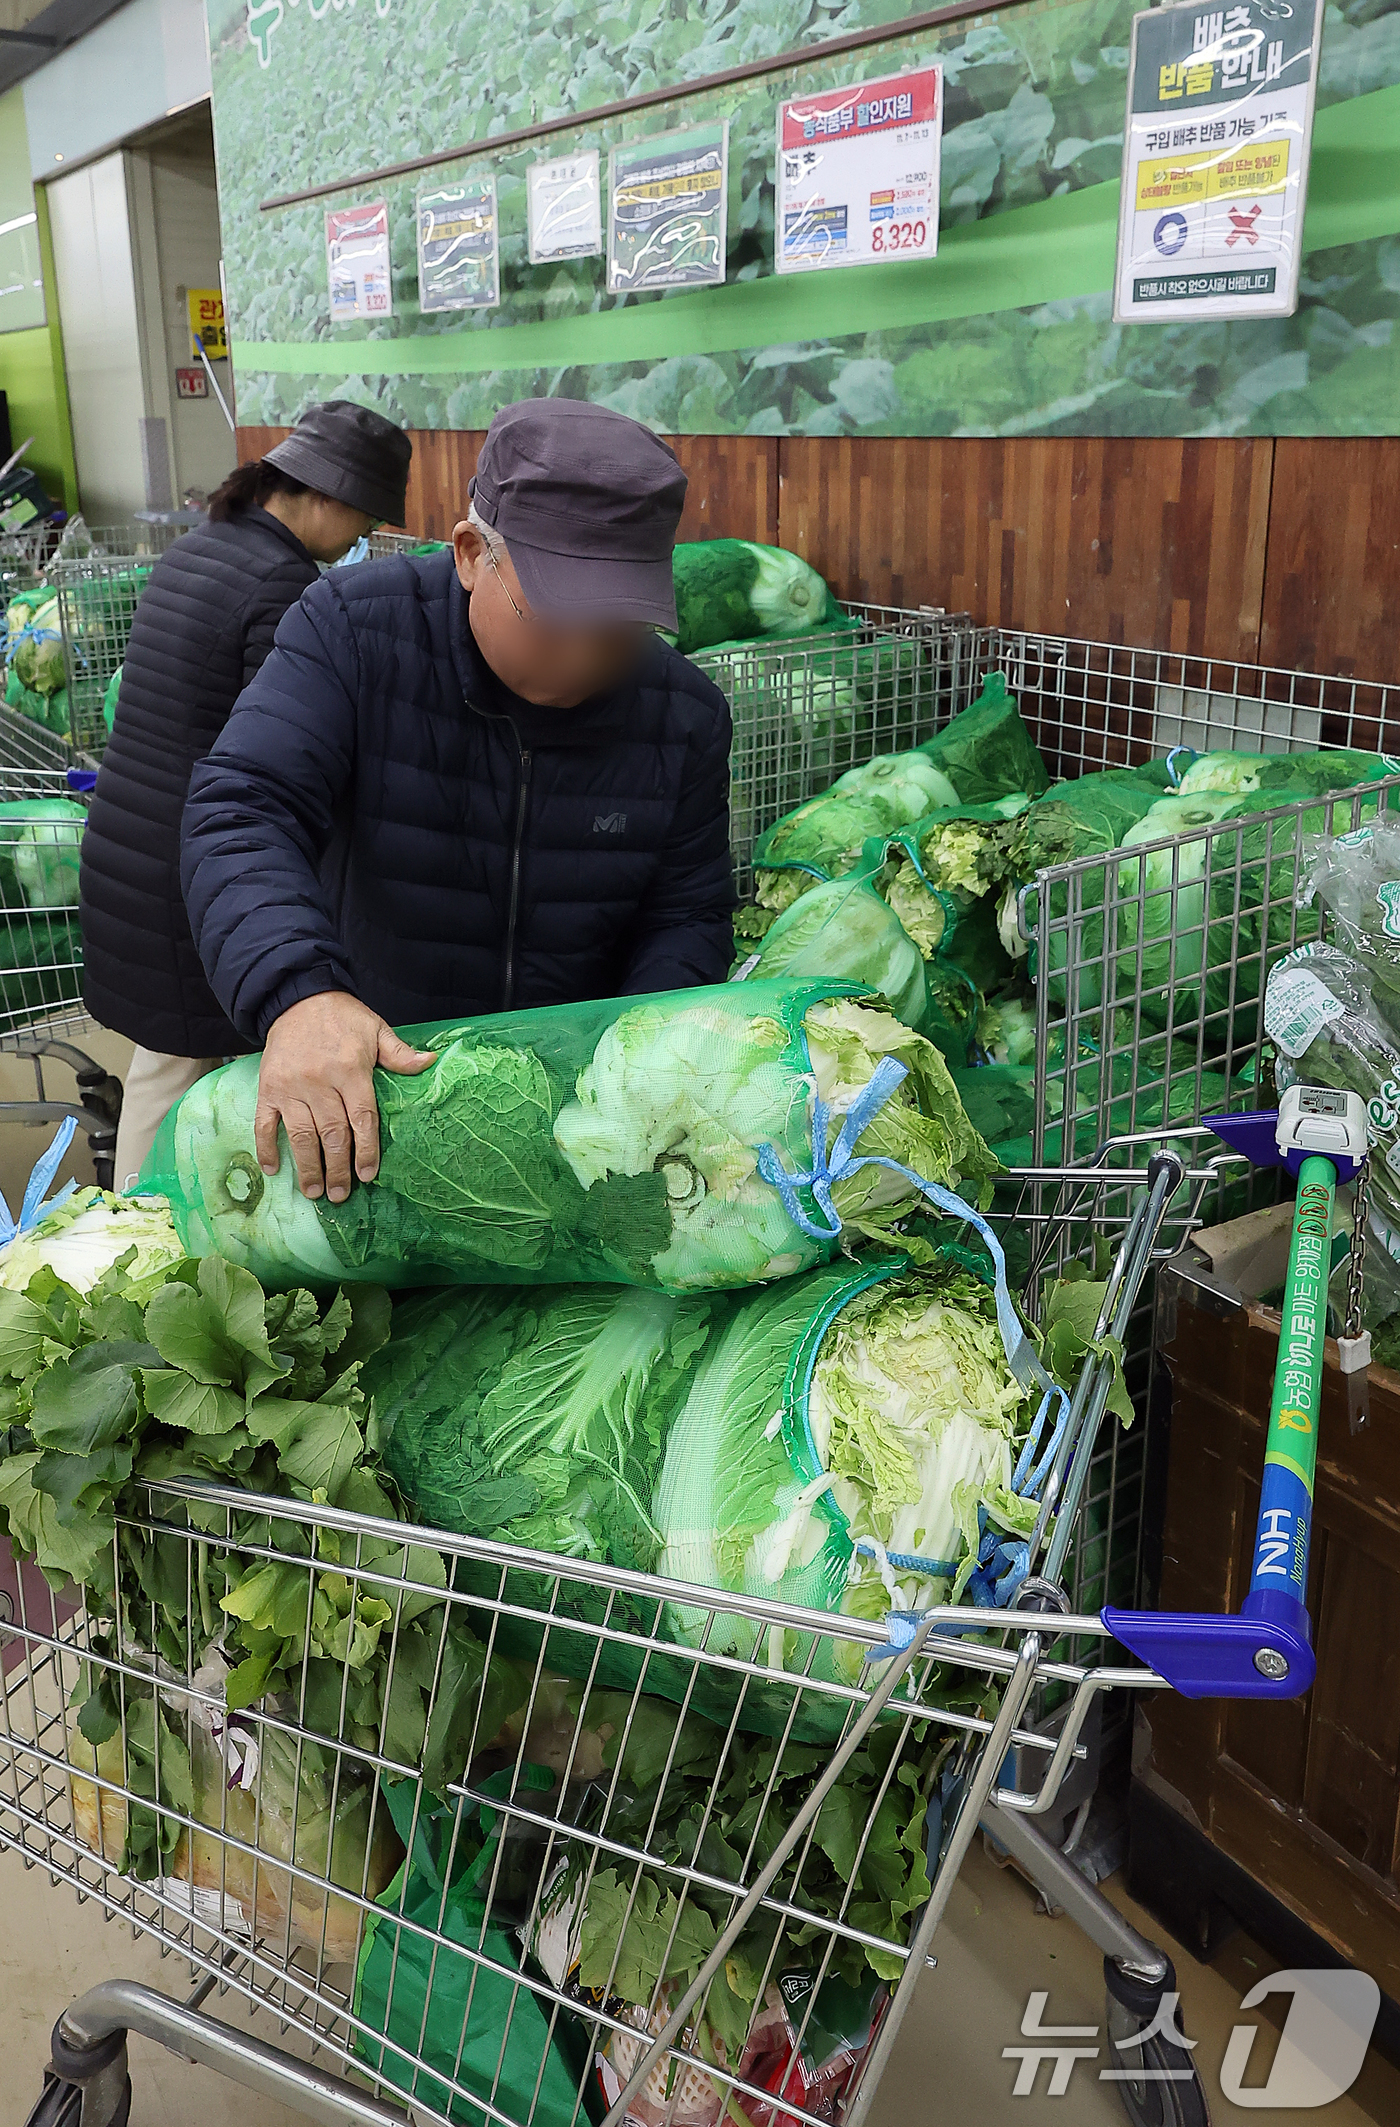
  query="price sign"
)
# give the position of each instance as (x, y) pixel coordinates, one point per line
(357, 262)
(858, 173)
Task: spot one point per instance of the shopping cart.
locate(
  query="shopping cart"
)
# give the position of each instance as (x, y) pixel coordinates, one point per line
(469, 1984)
(41, 976)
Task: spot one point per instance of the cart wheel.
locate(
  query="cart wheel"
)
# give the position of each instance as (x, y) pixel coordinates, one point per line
(1164, 2090)
(62, 2105)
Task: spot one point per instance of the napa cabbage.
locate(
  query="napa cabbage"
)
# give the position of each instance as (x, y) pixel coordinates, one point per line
(81, 1239)
(842, 929)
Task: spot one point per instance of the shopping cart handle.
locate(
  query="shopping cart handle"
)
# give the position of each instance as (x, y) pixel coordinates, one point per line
(1266, 1651)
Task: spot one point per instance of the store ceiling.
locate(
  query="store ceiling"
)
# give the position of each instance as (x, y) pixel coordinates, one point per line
(30, 34)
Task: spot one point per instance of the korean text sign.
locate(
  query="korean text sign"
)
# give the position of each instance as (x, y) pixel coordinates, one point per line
(357, 262)
(1215, 161)
(858, 172)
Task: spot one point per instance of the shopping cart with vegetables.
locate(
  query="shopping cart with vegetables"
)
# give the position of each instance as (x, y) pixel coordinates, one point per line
(42, 813)
(501, 1834)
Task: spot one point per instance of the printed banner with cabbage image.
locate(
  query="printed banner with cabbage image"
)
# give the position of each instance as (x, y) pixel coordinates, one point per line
(1008, 331)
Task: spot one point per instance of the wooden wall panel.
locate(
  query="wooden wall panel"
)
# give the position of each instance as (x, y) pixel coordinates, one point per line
(733, 492)
(1332, 596)
(1154, 541)
(1284, 552)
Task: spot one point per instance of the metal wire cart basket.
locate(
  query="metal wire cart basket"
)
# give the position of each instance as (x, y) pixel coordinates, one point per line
(614, 1776)
(41, 995)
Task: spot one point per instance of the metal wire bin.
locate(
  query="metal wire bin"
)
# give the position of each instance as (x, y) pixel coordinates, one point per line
(97, 600)
(680, 1766)
(41, 995)
(806, 708)
(1153, 963)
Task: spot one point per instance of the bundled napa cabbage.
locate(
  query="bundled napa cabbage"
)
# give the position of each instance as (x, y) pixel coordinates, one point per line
(779, 1443)
(1336, 768)
(36, 649)
(983, 755)
(619, 1141)
(844, 930)
(40, 842)
(83, 1238)
(730, 590)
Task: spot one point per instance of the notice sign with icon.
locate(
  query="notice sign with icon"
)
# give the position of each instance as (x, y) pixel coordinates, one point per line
(858, 173)
(1215, 161)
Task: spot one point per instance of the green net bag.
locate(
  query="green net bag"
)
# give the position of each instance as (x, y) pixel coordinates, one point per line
(621, 1141)
(844, 930)
(1200, 923)
(841, 1441)
(729, 590)
(40, 843)
(36, 649)
(938, 867)
(984, 753)
(109, 699)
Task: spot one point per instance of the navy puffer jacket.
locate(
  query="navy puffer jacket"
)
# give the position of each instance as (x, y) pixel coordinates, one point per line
(379, 817)
(205, 623)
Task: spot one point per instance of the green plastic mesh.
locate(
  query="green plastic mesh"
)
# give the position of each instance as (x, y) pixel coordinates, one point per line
(610, 1142)
(731, 590)
(673, 1436)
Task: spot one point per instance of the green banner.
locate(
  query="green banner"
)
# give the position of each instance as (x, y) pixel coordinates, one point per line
(1007, 331)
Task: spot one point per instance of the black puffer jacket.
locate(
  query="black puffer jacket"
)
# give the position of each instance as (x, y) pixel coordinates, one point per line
(377, 818)
(204, 625)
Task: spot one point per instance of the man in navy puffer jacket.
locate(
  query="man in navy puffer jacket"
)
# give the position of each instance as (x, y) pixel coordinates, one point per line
(465, 784)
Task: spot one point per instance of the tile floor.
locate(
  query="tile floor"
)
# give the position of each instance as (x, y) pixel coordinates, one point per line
(993, 1950)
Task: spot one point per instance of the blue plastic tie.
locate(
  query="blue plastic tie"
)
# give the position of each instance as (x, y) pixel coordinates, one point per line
(45, 1168)
(1002, 1564)
(1174, 774)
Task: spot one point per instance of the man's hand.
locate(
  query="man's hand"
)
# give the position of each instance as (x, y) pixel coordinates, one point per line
(316, 1081)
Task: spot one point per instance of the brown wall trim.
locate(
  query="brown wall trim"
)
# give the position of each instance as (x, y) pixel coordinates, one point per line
(802, 55)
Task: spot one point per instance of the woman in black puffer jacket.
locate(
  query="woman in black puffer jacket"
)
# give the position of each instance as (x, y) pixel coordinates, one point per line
(205, 623)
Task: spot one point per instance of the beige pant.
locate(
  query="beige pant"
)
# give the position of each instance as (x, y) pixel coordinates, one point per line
(152, 1086)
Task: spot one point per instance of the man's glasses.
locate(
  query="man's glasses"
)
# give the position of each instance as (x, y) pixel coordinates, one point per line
(518, 611)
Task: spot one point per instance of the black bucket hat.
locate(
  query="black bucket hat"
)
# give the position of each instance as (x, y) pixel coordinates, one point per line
(587, 502)
(351, 453)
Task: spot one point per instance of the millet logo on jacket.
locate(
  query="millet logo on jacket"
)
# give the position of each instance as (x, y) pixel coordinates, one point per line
(610, 823)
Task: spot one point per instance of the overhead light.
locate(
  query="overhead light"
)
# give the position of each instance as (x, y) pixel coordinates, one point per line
(21, 221)
(58, 158)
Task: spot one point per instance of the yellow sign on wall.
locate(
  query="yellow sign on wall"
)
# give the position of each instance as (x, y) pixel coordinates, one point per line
(207, 324)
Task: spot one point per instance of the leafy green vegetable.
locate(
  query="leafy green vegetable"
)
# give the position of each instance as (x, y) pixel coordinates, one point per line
(648, 1174)
(843, 929)
(86, 1236)
(730, 589)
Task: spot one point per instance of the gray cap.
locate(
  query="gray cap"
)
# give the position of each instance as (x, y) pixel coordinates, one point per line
(587, 502)
(351, 453)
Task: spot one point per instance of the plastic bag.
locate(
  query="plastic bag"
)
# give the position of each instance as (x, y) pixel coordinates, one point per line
(618, 1142)
(1325, 1017)
(779, 1443)
(984, 753)
(109, 699)
(50, 710)
(447, 2007)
